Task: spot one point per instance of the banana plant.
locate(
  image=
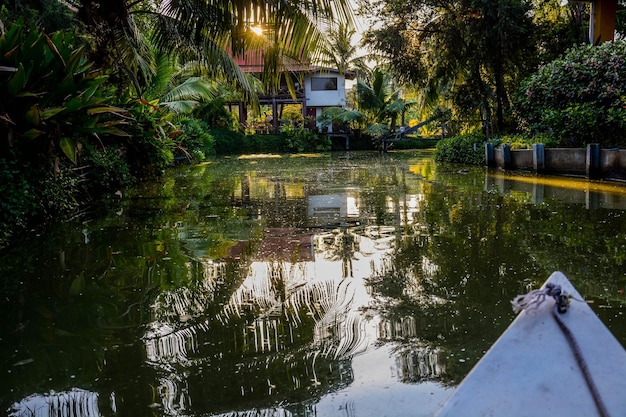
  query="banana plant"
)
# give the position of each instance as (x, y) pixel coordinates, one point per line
(340, 116)
(51, 97)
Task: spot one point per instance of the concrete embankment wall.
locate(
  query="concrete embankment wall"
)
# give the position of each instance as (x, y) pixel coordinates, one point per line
(591, 162)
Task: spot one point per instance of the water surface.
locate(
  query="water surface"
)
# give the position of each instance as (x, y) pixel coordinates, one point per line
(350, 284)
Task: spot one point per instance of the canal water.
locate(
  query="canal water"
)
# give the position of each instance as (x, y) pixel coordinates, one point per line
(351, 284)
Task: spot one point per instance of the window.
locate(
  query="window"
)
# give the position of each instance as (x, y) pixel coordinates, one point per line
(323, 83)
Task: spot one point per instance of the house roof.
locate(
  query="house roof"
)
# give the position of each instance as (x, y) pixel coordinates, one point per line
(252, 62)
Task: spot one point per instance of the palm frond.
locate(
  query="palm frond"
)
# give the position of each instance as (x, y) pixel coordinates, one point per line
(293, 30)
(163, 71)
(194, 88)
(213, 31)
(180, 106)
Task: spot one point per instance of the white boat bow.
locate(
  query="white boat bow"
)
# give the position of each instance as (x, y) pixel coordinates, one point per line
(532, 370)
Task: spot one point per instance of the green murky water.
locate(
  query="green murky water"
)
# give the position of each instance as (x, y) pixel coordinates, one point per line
(336, 285)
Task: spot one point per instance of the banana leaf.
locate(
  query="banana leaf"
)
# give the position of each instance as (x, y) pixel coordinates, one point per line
(32, 134)
(18, 81)
(48, 113)
(68, 146)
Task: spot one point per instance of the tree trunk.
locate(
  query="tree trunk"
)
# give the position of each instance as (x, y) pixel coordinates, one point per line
(502, 98)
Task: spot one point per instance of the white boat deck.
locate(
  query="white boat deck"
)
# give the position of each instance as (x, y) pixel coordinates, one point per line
(531, 370)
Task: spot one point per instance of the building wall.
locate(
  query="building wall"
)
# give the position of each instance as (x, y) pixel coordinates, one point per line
(325, 98)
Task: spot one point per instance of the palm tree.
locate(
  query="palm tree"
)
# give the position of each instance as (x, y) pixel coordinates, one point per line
(479, 49)
(381, 101)
(381, 98)
(210, 31)
(341, 52)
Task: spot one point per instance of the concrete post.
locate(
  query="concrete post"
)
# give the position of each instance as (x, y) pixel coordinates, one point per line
(592, 163)
(490, 159)
(506, 156)
(539, 160)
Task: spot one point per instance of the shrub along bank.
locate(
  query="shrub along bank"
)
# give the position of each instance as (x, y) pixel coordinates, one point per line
(575, 100)
(67, 134)
(579, 98)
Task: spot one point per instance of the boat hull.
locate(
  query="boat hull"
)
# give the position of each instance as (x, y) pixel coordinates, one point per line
(532, 371)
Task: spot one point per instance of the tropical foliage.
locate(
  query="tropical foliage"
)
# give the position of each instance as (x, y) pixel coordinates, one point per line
(473, 55)
(300, 140)
(53, 104)
(341, 118)
(342, 53)
(579, 98)
(50, 96)
(467, 149)
(210, 32)
(380, 100)
(95, 95)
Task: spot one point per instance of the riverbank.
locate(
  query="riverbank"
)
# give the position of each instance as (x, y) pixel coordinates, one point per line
(591, 162)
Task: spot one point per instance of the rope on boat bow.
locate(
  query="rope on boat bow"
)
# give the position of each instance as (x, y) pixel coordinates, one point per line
(532, 301)
(535, 298)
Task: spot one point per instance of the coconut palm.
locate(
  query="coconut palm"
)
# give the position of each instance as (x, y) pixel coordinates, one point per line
(381, 98)
(341, 52)
(210, 31)
(177, 88)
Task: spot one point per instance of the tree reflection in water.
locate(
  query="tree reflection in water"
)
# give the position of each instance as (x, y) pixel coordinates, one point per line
(286, 333)
(291, 288)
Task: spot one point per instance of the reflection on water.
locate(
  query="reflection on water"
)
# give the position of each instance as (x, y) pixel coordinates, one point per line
(590, 194)
(358, 285)
(72, 403)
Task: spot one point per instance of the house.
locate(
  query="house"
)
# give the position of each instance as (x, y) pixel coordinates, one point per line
(316, 88)
(323, 88)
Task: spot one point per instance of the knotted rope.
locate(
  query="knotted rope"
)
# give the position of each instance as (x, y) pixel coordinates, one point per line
(532, 301)
(535, 298)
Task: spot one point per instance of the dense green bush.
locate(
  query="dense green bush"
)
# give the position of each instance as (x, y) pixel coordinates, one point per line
(60, 196)
(260, 143)
(467, 149)
(229, 142)
(580, 98)
(18, 202)
(31, 195)
(107, 169)
(196, 141)
(525, 142)
(150, 146)
(301, 140)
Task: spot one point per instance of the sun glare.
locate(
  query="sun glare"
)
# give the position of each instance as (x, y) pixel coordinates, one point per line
(258, 30)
